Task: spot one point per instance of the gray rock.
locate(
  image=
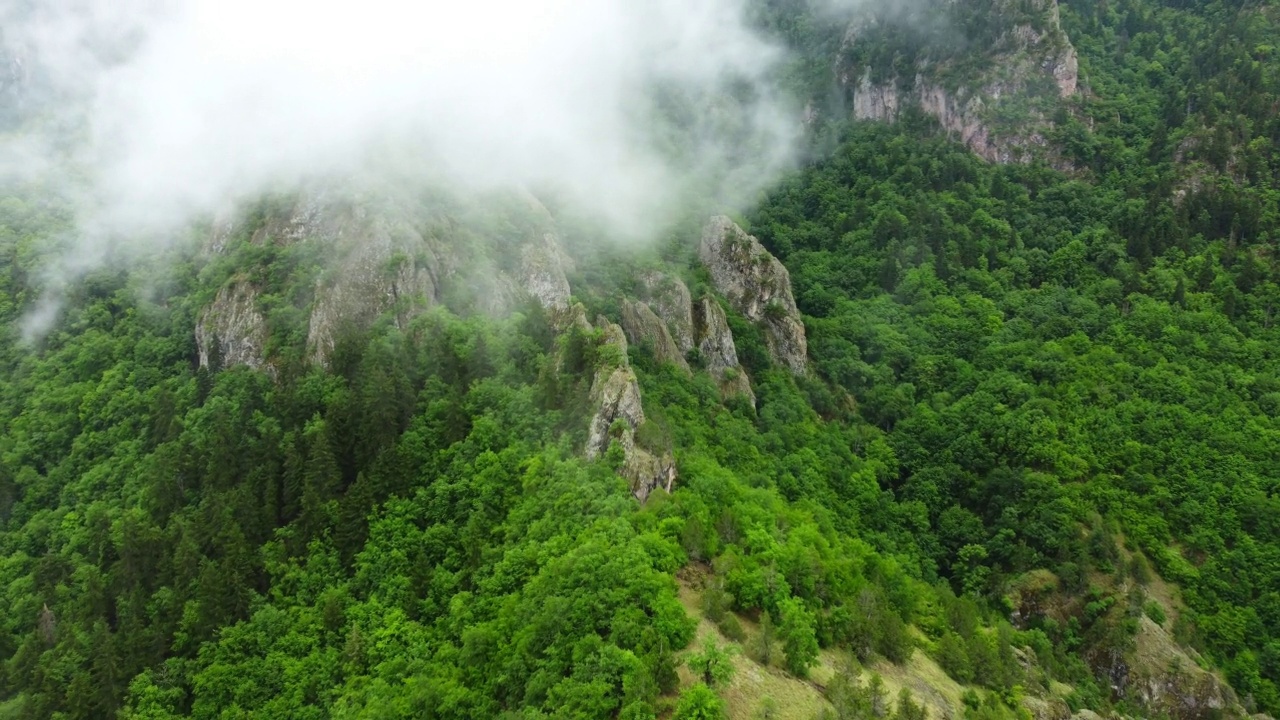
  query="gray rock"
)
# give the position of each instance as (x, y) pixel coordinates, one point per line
(648, 472)
(719, 354)
(542, 272)
(386, 264)
(618, 414)
(231, 331)
(757, 285)
(1020, 60)
(615, 395)
(642, 325)
(669, 298)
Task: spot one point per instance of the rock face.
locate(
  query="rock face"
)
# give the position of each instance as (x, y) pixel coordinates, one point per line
(1162, 676)
(719, 354)
(670, 299)
(542, 272)
(390, 251)
(757, 285)
(618, 414)
(643, 326)
(386, 265)
(1151, 670)
(232, 331)
(1032, 63)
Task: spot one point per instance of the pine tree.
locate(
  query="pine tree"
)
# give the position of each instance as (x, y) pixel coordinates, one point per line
(321, 480)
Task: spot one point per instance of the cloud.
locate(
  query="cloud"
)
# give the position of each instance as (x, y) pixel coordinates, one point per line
(190, 104)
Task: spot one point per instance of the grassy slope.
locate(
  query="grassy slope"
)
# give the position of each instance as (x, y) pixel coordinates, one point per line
(799, 699)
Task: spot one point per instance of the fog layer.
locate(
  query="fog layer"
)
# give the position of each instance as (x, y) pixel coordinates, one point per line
(193, 103)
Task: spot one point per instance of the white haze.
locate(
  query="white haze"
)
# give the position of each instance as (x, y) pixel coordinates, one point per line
(193, 105)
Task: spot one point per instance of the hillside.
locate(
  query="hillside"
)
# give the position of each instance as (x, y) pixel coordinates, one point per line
(972, 415)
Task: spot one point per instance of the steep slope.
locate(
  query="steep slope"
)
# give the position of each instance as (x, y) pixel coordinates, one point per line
(995, 88)
(1005, 436)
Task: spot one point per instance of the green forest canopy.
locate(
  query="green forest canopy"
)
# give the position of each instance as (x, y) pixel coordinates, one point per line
(1016, 370)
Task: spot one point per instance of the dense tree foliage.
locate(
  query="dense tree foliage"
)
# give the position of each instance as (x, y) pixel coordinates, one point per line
(1030, 386)
(1053, 358)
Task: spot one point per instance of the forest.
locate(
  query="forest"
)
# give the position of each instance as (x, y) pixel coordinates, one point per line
(1042, 394)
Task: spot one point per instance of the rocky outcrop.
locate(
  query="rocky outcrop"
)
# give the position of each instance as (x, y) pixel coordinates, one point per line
(1032, 63)
(1164, 677)
(529, 263)
(718, 353)
(385, 265)
(393, 252)
(617, 416)
(615, 395)
(379, 261)
(647, 471)
(643, 327)
(542, 272)
(758, 286)
(231, 331)
(669, 298)
(1148, 669)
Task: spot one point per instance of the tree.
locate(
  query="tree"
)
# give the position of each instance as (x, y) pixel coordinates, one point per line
(954, 657)
(799, 641)
(766, 642)
(321, 480)
(699, 702)
(908, 708)
(713, 663)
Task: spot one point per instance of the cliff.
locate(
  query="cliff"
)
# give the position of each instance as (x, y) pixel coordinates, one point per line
(669, 298)
(391, 252)
(643, 326)
(390, 256)
(997, 101)
(231, 331)
(718, 351)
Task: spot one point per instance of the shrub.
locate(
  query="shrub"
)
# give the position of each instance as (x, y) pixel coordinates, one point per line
(699, 702)
(1155, 612)
(731, 627)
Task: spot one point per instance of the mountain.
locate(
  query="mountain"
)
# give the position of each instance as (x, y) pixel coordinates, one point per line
(972, 415)
(998, 102)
